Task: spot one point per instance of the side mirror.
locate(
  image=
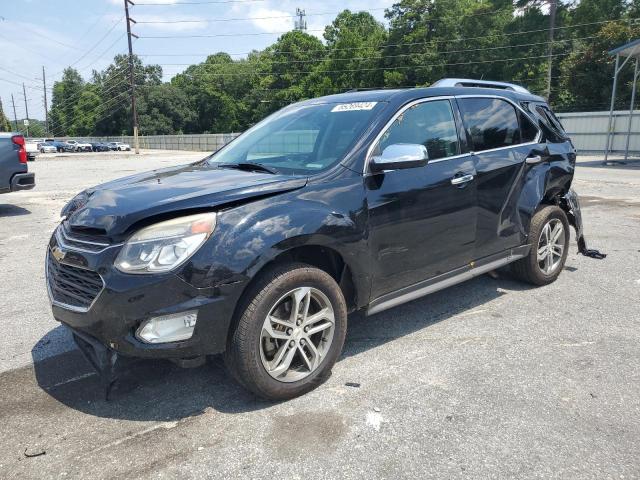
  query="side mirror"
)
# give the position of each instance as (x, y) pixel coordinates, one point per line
(399, 156)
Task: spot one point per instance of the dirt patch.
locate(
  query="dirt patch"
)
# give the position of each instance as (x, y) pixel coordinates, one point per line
(294, 436)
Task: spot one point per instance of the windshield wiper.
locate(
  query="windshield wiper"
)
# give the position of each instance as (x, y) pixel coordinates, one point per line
(249, 166)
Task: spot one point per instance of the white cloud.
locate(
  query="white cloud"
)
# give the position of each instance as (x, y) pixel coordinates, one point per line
(271, 20)
(166, 2)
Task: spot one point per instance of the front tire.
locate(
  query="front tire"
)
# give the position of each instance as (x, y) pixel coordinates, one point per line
(549, 238)
(289, 332)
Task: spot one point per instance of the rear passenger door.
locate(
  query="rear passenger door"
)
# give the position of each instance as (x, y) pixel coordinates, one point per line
(501, 138)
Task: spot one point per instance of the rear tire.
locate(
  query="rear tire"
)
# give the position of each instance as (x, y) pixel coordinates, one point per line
(289, 332)
(549, 238)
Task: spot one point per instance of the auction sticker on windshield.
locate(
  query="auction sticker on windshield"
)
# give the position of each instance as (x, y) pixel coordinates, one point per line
(350, 107)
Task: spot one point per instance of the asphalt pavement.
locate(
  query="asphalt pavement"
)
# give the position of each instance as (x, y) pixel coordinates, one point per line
(488, 379)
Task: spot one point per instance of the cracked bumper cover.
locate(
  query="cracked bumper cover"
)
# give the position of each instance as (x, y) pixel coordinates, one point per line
(571, 205)
(126, 301)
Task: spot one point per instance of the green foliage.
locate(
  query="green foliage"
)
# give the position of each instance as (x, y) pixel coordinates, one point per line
(425, 40)
(5, 125)
(36, 128)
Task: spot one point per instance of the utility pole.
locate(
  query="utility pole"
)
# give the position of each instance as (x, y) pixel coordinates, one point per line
(15, 117)
(46, 113)
(26, 107)
(300, 24)
(553, 5)
(131, 77)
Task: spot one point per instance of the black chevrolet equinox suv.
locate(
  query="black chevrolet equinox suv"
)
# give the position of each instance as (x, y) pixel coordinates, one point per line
(353, 202)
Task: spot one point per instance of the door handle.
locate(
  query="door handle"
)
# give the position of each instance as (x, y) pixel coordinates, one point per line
(461, 179)
(532, 160)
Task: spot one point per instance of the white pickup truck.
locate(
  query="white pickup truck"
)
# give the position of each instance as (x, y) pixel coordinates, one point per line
(32, 147)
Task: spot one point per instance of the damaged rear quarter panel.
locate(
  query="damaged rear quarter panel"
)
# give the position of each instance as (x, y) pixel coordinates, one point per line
(546, 182)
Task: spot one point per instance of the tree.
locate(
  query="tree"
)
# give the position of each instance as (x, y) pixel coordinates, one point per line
(5, 125)
(354, 42)
(163, 109)
(86, 111)
(586, 74)
(66, 94)
(285, 70)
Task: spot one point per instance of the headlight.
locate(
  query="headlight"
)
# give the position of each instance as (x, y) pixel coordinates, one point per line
(166, 245)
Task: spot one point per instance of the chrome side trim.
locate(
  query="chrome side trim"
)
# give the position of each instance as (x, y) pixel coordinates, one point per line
(514, 254)
(367, 171)
(66, 306)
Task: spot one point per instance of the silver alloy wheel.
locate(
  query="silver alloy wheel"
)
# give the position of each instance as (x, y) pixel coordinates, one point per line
(297, 334)
(551, 246)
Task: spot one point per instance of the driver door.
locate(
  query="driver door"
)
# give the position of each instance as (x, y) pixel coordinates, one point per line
(422, 220)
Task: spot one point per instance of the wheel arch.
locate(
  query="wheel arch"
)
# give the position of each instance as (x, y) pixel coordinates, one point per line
(322, 257)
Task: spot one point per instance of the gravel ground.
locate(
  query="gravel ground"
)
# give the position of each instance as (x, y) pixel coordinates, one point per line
(488, 379)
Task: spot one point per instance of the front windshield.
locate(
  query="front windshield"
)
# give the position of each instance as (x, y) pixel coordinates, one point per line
(301, 139)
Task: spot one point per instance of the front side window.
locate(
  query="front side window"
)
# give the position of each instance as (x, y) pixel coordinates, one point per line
(301, 139)
(490, 123)
(430, 124)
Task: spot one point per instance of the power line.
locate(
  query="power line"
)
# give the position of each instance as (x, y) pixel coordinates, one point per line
(103, 53)
(390, 45)
(75, 97)
(31, 79)
(215, 35)
(383, 57)
(244, 19)
(95, 45)
(150, 4)
(316, 14)
(61, 126)
(400, 67)
(19, 84)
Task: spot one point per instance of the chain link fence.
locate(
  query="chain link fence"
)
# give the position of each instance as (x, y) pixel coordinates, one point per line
(206, 142)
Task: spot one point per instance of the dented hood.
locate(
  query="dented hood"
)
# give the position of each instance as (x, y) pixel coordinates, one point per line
(112, 208)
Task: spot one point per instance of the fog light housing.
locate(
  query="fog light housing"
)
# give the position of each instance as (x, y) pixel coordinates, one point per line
(168, 328)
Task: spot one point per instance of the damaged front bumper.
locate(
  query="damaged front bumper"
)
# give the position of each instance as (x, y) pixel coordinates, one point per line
(570, 203)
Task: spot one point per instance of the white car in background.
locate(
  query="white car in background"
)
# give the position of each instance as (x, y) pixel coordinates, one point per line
(47, 147)
(75, 146)
(119, 146)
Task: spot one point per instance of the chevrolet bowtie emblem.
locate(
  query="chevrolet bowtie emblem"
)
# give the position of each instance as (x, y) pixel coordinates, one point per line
(58, 254)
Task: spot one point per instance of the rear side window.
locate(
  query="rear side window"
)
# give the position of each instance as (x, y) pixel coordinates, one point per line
(550, 120)
(430, 124)
(527, 128)
(490, 122)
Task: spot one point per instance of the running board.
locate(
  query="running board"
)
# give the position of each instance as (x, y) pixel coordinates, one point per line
(443, 281)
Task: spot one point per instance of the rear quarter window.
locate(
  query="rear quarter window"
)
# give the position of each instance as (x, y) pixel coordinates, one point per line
(547, 121)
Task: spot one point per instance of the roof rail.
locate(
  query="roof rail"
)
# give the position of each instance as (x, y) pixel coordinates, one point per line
(469, 82)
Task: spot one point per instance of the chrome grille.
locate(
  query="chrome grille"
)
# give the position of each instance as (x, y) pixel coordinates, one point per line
(72, 287)
(76, 241)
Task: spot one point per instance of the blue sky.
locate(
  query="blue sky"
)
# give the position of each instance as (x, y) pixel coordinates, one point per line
(88, 33)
